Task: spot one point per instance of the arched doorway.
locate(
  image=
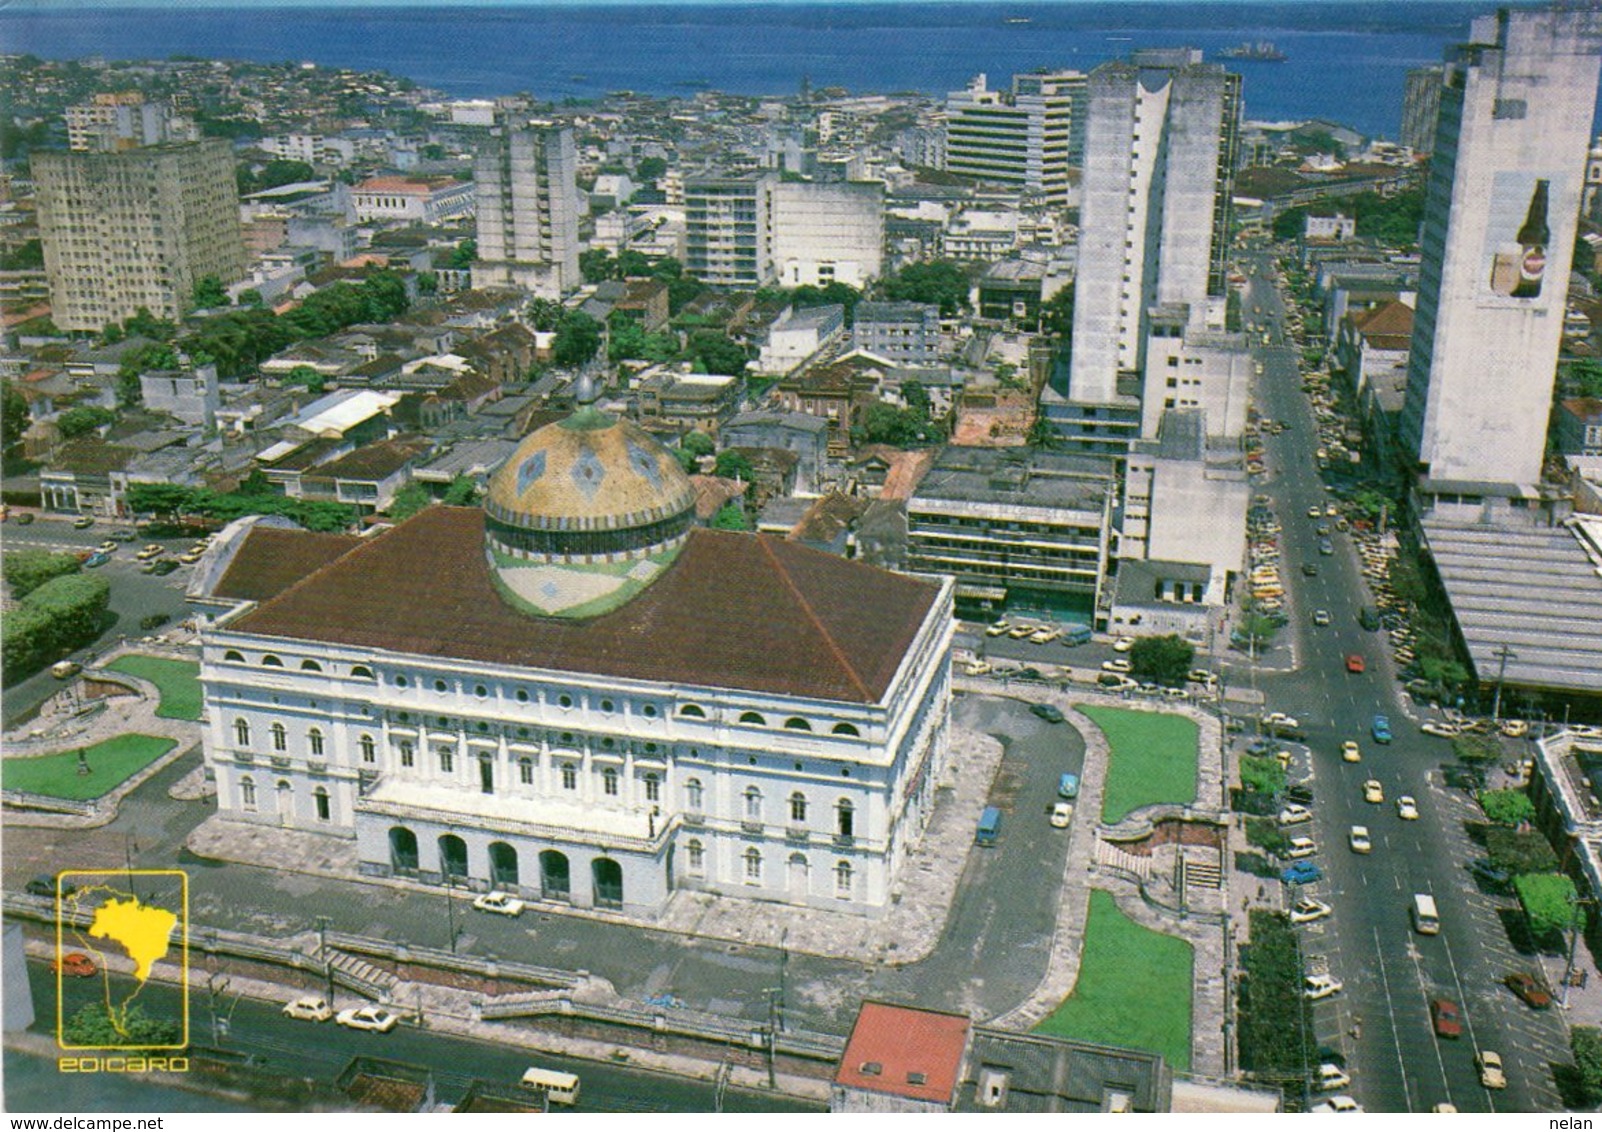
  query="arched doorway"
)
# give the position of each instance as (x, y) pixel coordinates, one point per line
(286, 802)
(607, 875)
(796, 876)
(453, 856)
(402, 849)
(555, 879)
(503, 865)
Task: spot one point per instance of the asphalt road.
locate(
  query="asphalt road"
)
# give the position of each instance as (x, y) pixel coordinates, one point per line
(134, 595)
(1380, 1021)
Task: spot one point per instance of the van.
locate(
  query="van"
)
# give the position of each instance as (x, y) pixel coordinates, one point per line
(64, 669)
(559, 1088)
(1076, 634)
(1426, 921)
(989, 827)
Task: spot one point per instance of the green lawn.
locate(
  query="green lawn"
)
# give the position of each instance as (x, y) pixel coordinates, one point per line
(1134, 987)
(179, 681)
(1153, 759)
(111, 763)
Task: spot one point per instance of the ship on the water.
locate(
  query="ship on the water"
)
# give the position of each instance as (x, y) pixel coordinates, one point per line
(1259, 52)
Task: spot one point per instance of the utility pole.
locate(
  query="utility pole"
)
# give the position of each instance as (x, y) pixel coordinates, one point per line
(450, 907)
(1574, 940)
(1503, 655)
(784, 965)
(323, 923)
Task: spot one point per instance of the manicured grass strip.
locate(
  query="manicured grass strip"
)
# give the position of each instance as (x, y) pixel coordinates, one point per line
(111, 763)
(1134, 987)
(1153, 759)
(179, 681)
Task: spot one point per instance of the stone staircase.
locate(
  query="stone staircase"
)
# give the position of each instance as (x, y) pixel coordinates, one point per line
(1203, 871)
(357, 974)
(1112, 856)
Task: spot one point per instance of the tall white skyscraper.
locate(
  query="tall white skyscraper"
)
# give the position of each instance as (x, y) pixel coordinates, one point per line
(528, 210)
(1160, 151)
(1027, 137)
(1499, 221)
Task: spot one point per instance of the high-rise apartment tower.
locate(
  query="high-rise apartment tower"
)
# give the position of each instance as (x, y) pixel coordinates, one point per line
(528, 209)
(1025, 138)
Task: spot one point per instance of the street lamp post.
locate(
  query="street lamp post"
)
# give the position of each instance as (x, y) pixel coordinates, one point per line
(1503, 655)
(323, 923)
(450, 906)
(1574, 941)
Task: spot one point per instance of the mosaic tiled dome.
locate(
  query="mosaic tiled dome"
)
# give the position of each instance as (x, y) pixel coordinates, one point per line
(591, 493)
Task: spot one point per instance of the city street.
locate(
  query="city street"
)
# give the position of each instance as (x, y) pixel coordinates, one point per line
(1381, 1020)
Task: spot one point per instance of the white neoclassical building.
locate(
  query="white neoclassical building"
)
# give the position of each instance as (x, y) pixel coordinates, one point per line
(573, 695)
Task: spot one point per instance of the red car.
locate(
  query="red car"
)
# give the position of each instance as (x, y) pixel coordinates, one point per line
(1445, 1017)
(1354, 663)
(74, 963)
(1529, 990)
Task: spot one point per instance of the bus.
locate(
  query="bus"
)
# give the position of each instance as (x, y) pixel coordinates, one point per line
(559, 1088)
(1076, 634)
(1426, 921)
(989, 827)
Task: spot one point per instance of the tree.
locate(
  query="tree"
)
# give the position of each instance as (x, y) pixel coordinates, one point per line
(27, 570)
(827, 295)
(147, 325)
(631, 263)
(83, 419)
(628, 340)
(466, 252)
(731, 517)
(461, 492)
(883, 423)
(427, 283)
(1519, 851)
(1255, 631)
(1162, 660)
(13, 415)
(250, 297)
(1549, 901)
(1478, 749)
(718, 353)
(733, 465)
(544, 314)
(1262, 775)
(314, 381)
(1507, 807)
(1057, 313)
(941, 282)
(1586, 1044)
(164, 500)
(578, 339)
(274, 173)
(408, 501)
(650, 169)
(916, 398)
(209, 292)
(596, 265)
(111, 333)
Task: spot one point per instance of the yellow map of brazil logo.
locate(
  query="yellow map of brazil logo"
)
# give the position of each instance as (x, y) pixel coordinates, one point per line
(112, 931)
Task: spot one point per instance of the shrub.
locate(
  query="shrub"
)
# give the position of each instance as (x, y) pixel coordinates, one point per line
(1586, 1043)
(1276, 1025)
(27, 570)
(1548, 900)
(1507, 807)
(61, 615)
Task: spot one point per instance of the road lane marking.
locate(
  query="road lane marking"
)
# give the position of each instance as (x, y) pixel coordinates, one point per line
(1396, 1042)
(1462, 998)
(1435, 1042)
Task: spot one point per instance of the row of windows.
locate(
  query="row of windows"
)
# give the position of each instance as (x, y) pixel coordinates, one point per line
(268, 660)
(286, 793)
(695, 860)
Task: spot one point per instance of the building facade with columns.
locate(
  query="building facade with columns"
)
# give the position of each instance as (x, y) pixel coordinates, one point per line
(574, 695)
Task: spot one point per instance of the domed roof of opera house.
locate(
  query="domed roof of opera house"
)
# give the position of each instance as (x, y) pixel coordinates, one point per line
(589, 472)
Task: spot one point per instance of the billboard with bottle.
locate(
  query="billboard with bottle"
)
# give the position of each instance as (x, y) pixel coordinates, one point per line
(1519, 235)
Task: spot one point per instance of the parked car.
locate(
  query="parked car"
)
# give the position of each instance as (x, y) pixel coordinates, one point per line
(1306, 910)
(125, 536)
(1446, 1018)
(1061, 814)
(1489, 1063)
(1330, 1077)
(153, 550)
(1301, 792)
(98, 558)
(1118, 665)
(1295, 815)
(1301, 872)
(371, 1018)
(1046, 712)
(503, 903)
(1301, 847)
(108, 547)
(75, 964)
(1315, 987)
(1529, 990)
(1325, 546)
(164, 567)
(24, 518)
(976, 668)
(83, 522)
(1337, 1104)
(309, 1008)
(1068, 786)
(1123, 644)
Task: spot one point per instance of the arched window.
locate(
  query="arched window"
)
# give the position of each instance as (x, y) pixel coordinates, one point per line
(753, 717)
(694, 795)
(842, 879)
(845, 729)
(310, 666)
(653, 788)
(235, 656)
(569, 776)
(691, 711)
(753, 865)
(360, 672)
(407, 755)
(609, 781)
(796, 723)
(314, 740)
(320, 799)
(447, 759)
(798, 808)
(247, 793)
(242, 732)
(280, 737)
(369, 751)
(525, 771)
(753, 804)
(271, 661)
(695, 855)
(844, 817)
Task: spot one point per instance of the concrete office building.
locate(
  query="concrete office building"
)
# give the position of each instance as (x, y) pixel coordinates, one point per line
(137, 228)
(905, 333)
(1421, 105)
(1160, 154)
(1027, 137)
(110, 123)
(1499, 221)
(1191, 366)
(528, 210)
(727, 239)
(827, 233)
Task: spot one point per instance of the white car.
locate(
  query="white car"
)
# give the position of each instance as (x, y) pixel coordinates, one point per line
(1350, 752)
(1359, 839)
(1489, 1063)
(1306, 910)
(1321, 617)
(1280, 719)
(1117, 664)
(1444, 730)
(1061, 814)
(998, 629)
(1044, 636)
(309, 1008)
(1337, 1104)
(1330, 1077)
(502, 902)
(1315, 511)
(1123, 644)
(372, 1018)
(1406, 808)
(1301, 847)
(1515, 728)
(1294, 815)
(1373, 791)
(1316, 987)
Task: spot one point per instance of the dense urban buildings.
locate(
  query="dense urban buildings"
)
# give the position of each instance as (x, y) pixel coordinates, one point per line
(1028, 137)
(136, 229)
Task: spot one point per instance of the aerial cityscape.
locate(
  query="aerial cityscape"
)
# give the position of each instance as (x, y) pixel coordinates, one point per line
(855, 558)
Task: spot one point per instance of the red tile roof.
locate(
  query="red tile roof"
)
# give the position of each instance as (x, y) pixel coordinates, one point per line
(904, 1051)
(734, 610)
(272, 559)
